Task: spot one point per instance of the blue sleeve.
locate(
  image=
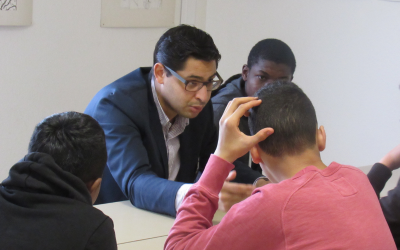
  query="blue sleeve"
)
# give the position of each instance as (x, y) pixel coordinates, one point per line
(128, 159)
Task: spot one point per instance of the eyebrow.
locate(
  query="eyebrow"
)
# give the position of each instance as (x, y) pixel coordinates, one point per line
(262, 72)
(201, 78)
(265, 73)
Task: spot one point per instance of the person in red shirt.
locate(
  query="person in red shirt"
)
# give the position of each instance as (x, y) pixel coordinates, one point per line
(308, 205)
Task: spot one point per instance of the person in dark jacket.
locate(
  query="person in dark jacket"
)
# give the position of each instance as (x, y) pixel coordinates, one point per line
(378, 176)
(268, 60)
(159, 126)
(46, 201)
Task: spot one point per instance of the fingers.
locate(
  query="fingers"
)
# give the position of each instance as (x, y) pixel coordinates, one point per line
(231, 176)
(243, 108)
(261, 135)
(233, 105)
(392, 159)
(233, 193)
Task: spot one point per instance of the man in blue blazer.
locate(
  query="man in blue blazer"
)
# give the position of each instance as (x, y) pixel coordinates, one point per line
(159, 126)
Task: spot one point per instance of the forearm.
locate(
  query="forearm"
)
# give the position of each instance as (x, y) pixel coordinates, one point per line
(194, 217)
(155, 194)
(378, 176)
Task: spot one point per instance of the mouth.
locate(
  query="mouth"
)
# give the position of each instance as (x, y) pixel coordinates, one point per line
(196, 108)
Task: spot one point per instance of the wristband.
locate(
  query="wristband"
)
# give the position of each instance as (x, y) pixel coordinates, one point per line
(260, 178)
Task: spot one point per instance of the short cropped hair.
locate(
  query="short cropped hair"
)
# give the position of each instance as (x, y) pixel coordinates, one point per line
(181, 42)
(273, 50)
(289, 111)
(75, 141)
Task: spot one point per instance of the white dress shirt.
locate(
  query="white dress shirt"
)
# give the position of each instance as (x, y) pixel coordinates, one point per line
(171, 133)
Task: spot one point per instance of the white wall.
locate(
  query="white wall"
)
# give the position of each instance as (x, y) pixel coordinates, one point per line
(348, 57)
(347, 51)
(58, 64)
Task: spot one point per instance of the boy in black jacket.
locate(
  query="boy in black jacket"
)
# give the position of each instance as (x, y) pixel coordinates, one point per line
(46, 202)
(378, 176)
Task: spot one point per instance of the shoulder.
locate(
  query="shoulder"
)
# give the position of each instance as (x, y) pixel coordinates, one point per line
(103, 236)
(349, 172)
(130, 85)
(230, 90)
(127, 94)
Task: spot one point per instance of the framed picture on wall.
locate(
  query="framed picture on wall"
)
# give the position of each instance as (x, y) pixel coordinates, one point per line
(15, 12)
(140, 13)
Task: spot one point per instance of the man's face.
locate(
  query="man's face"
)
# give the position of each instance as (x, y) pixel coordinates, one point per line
(176, 100)
(262, 73)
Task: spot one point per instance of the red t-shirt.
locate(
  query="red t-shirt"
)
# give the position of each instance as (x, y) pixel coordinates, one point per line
(333, 208)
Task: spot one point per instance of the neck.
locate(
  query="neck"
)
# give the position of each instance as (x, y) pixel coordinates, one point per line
(164, 105)
(287, 166)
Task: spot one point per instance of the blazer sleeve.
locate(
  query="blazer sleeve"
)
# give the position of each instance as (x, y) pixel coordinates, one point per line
(128, 158)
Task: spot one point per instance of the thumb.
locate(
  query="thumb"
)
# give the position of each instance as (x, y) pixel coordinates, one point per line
(262, 135)
(231, 176)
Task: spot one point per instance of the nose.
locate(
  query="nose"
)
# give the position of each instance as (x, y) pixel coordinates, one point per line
(203, 95)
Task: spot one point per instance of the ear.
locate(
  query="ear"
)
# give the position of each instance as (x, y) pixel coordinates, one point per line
(94, 188)
(321, 138)
(255, 154)
(159, 73)
(245, 72)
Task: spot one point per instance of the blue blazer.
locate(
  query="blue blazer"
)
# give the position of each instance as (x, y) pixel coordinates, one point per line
(137, 166)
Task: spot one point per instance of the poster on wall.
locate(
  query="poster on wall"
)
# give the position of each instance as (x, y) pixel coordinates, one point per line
(15, 12)
(140, 13)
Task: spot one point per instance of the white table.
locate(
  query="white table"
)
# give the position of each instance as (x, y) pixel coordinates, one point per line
(150, 244)
(132, 224)
(140, 229)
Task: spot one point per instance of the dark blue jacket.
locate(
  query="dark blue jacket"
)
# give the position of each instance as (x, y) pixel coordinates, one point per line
(137, 156)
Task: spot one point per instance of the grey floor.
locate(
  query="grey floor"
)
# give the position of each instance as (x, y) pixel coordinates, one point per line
(392, 182)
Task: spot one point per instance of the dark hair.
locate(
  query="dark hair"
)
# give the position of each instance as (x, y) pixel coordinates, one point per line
(287, 110)
(75, 141)
(273, 50)
(181, 42)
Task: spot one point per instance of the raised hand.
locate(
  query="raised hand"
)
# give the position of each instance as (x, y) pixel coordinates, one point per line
(232, 143)
(392, 159)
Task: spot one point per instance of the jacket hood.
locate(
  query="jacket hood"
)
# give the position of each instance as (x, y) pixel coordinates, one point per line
(38, 173)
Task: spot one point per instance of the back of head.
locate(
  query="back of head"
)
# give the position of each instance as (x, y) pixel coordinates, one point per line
(75, 141)
(181, 42)
(273, 50)
(287, 110)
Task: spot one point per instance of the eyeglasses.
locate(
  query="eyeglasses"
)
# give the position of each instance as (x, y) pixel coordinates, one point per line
(193, 86)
